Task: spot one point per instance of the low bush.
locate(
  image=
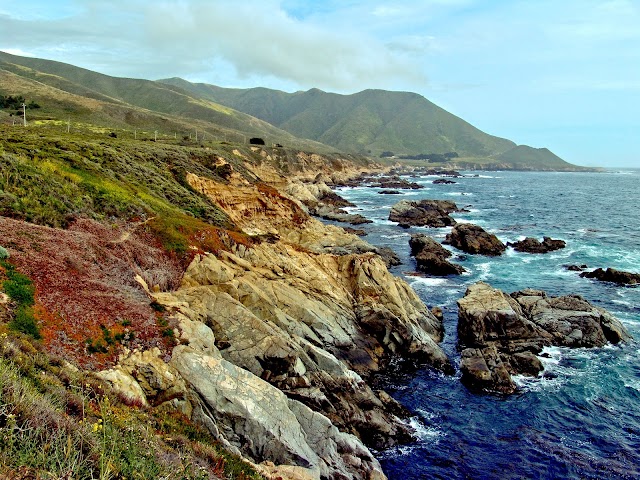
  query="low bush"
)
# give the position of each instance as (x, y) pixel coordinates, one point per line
(21, 290)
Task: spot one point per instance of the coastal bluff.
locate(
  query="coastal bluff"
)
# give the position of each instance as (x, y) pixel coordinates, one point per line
(279, 339)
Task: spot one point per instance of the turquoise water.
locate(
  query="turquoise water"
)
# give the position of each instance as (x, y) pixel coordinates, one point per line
(583, 419)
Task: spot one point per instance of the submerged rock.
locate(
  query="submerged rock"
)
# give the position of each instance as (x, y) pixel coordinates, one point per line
(612, 275)
(425, 213)
(533, 245)
(499, 335)
(474, 239)
(443, 181)
(431, 257)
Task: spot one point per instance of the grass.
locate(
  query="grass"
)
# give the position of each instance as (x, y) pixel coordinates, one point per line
(21, 291)
(48, 179)
(57, 422)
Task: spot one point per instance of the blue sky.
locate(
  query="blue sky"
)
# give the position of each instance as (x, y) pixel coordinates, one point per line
(559, 74)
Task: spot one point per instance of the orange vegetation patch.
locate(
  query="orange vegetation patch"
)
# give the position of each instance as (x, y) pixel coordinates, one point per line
(88, 303)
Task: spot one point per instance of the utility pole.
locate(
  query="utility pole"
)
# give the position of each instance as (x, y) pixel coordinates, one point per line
(24, 113)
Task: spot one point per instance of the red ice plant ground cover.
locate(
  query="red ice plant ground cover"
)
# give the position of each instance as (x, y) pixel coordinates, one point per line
(85, 286)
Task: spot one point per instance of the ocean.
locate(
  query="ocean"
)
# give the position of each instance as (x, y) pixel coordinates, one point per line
(581, 420)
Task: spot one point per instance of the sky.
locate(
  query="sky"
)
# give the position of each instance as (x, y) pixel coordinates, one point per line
(558, 74)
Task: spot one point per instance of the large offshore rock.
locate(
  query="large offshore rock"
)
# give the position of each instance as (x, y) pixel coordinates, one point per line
(474, 239)
(425, 213)
(533, 245)
(431, 257)
(612, 275)
(499, 334)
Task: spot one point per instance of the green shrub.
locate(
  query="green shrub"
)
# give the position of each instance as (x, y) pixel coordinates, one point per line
(20, 290)
(3, 253)
(25, 322)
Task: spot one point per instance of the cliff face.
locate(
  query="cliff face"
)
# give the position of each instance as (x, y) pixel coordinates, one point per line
(278, 339)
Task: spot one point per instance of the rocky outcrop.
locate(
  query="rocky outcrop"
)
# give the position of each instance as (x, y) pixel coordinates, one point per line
(612, 275)
(390, 258)
(390, 192)
(320, 201)
(328, 212)
(533, 245)
(425, 213)
(431, 257)
(251, 416)
(499, 335)
(395, 182)
(443, 181)
(279, 339)
(474, 239)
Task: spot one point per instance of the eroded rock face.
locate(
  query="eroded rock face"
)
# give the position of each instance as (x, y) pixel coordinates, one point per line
(259, 420)
(612, 275)
(533, 245)
(499, 334)
(474, 239)
(425, 213)
(431, 257)
(313, 325)
(279, 339)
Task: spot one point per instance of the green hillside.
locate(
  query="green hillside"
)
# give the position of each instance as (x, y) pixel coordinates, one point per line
(372, 121)
(523, 157)
(66, 91)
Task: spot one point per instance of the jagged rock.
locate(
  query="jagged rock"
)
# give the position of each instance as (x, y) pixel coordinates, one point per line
(431, 257)
(258, 419)
(425, 213)
(533, 245)
(355, 231)
(576, 268)
(329, 197)
(474, 239)
(145, 377)
(483, 369)
(395, 182)
(499, 335)
(390, 192)
(316, 326)
(329, 212)
(390, 258)
(612, 275)
(306, 323)
(442, 181)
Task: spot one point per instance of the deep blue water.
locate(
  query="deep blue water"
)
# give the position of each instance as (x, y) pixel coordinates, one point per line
(584, 423)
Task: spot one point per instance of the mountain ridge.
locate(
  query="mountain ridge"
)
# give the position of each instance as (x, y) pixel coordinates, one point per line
(374, 123)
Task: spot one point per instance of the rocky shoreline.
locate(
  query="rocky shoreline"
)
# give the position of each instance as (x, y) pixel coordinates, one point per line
(280, 342)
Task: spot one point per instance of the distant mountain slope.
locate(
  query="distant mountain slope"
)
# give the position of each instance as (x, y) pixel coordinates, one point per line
(524, 157)
(372, 120)
(369, 122)
(22, 75)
